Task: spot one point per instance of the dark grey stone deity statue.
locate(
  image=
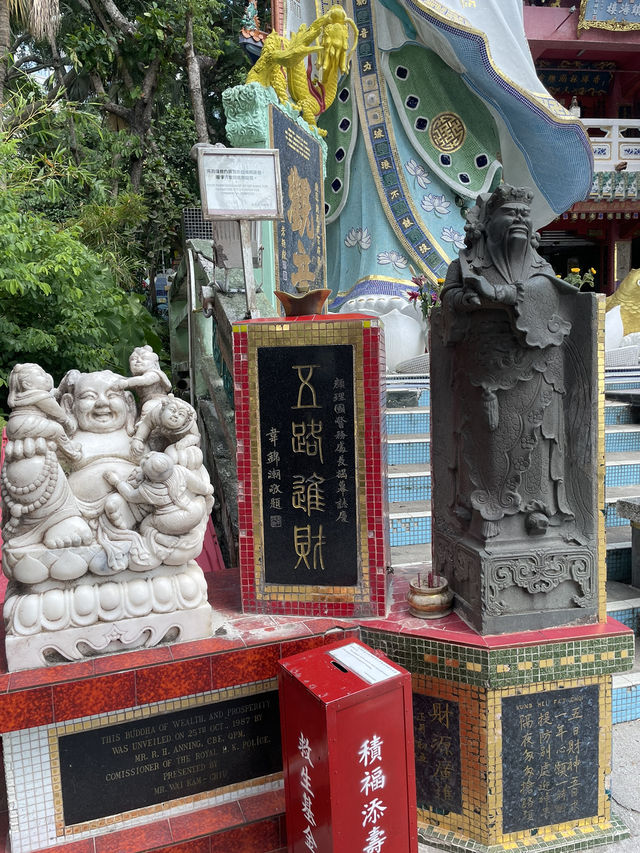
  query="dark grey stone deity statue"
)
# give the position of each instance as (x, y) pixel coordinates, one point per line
(515, 417)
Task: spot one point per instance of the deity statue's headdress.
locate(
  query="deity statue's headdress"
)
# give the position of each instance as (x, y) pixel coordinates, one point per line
(485, 206)
(506, 194)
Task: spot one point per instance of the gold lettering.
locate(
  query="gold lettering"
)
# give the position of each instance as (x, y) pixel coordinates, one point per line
(305, 383)
(303, 542)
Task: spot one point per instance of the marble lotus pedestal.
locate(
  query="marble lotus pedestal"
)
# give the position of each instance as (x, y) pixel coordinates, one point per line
(105, 502)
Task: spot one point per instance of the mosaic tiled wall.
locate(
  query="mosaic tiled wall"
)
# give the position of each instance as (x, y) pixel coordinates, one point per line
(35, 790)
(486, 745)
(478, 714)
(266, 586)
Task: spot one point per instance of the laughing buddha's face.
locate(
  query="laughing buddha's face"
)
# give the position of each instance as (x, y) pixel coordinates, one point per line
(98, 407)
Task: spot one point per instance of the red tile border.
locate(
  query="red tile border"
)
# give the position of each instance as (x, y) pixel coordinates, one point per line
(263, 805)
(261, 837)
(26, 709)
(132, 660)
(168, 681)
(195, 845)
(50, 675)
(86, 845)
(242, 667)
(135, 838)
(206, 821)
(94, 696)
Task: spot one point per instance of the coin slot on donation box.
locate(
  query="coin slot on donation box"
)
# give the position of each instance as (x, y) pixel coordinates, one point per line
(347, 741)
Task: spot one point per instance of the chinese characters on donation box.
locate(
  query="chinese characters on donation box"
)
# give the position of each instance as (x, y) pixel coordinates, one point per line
(373, 780)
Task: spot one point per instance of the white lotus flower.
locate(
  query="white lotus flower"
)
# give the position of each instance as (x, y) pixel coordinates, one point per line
(359, 237)
(394, 258)
(418, 172)
(433, 202)
(449, 235)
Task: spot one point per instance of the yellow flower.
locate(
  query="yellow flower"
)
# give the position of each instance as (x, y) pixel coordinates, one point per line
(592, 271)
(440, 280)
(575, 269)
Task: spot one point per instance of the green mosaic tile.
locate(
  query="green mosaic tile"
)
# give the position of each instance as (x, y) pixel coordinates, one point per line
(484, 667)
(445, 840)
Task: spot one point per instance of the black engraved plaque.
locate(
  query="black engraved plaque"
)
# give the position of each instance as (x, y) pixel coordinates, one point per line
(308, 465)
(436, 726)
(115, 769)
(549, 757)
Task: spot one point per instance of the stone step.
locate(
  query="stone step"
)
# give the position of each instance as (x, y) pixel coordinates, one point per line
(623, 469)
(415, 419)
(617, 413)
(410, 523)
(408, 483)
(616, 493)
(622, 438)
(408, 449)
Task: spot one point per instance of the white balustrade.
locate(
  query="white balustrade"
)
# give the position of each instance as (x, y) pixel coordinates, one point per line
(614, 141)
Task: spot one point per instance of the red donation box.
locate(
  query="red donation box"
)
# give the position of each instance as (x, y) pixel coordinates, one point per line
(347, 741)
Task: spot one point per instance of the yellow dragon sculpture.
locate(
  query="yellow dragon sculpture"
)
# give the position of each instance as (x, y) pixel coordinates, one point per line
(282, 63)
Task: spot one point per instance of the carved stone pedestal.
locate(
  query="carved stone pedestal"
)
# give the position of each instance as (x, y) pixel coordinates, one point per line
(56, 623)
(520, 587)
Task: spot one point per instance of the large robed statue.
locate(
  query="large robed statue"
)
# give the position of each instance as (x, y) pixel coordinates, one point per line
(515, 426)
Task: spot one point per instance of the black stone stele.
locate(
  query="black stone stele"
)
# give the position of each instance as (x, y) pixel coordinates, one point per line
(550, 757)
(308, 465)
(115, 769)
(436, 725)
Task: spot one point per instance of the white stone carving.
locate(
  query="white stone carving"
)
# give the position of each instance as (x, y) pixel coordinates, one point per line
(404, 329)
(105, 502)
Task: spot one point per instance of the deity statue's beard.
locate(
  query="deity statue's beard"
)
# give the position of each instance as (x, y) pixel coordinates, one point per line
(516, 246)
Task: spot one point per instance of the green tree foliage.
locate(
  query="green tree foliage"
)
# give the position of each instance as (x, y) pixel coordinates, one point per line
(136, 71)
(59, 304)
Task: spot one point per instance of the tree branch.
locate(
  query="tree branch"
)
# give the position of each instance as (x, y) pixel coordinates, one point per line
(30, 57)
(125, 26)
(117, 110)
(195, 83)
(206, 62)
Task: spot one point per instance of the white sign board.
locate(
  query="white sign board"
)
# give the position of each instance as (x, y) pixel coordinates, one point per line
(363, 663)
(240, 183)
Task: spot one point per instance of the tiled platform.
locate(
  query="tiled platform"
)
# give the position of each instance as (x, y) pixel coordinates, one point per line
(244, 650)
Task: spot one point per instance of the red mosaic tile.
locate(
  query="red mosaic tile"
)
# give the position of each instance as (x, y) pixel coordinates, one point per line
(196, 845)
(263, 805)
(260, 837)
(176, 679)
(131, 660)
(294, 646)
(206, 821)
(144, 837)
(26, 710)
(94, 696)
(84, 846)
(50, 675)
(199, 648)
(243, 667)
(4, 679)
